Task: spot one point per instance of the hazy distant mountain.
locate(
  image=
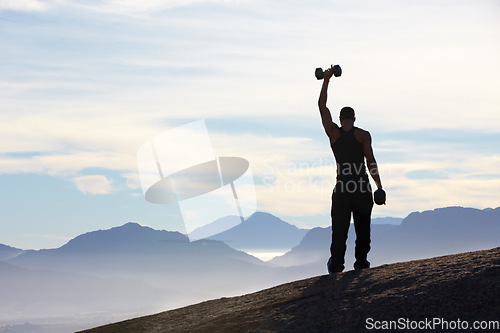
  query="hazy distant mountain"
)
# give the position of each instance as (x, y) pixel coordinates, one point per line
(160, 258)
(387, 220)
(438, 232)
(420, 235)
(29, 293)
(262, 231)
(156, 261)
(7, 252)
(220, 225)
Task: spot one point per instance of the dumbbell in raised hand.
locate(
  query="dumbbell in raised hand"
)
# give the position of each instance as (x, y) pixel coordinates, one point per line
(320, 74)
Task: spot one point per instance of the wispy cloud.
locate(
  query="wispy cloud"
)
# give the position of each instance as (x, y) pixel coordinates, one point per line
(121, 7)
(95, 184)
(22, 5)
(136, 8)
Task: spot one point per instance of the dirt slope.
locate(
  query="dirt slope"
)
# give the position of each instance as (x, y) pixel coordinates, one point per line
(463, 287)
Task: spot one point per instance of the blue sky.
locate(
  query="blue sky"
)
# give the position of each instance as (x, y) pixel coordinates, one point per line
(84, 84)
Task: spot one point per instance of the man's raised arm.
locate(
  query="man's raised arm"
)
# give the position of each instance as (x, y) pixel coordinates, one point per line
(330, 127)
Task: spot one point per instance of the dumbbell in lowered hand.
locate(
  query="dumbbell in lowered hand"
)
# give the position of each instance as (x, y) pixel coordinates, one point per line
(320, 74)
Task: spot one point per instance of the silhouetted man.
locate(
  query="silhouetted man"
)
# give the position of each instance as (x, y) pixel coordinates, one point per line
(352, 193)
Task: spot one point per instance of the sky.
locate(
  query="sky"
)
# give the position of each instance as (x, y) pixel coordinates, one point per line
(84, 84)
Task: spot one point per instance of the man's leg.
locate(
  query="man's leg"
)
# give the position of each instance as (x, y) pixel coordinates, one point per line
(341, 218)
(362, 218)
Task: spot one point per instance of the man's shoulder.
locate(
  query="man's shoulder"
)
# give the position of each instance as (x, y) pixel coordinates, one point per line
(362, 131)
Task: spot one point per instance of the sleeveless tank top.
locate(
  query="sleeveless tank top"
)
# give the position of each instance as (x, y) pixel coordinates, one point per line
(349, 156)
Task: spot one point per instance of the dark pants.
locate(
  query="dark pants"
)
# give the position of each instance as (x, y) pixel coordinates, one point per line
(345, 203)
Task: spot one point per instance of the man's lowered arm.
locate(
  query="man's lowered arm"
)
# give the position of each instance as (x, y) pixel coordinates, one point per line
(370, 159)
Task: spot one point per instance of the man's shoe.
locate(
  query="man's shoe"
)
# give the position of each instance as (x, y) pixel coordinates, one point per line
(333, 269)
(361, 265)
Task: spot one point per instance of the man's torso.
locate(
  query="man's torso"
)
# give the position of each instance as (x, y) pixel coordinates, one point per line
(349, 156)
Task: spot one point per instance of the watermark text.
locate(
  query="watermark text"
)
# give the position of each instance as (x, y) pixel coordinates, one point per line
(430, 324)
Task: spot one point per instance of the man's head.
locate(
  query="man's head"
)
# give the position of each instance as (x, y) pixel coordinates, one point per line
(347, 113)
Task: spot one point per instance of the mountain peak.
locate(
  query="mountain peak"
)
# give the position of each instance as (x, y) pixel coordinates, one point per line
(132, 225)
(129, 237)
(267, 220)
(262, 231)
(263, 215)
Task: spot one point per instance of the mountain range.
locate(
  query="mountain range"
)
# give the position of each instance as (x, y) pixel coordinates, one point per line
(131, 270)
(420, 235)
(125, 270)
(162, 259)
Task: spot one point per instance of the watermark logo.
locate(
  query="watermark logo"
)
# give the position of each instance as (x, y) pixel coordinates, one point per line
(180, 167)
